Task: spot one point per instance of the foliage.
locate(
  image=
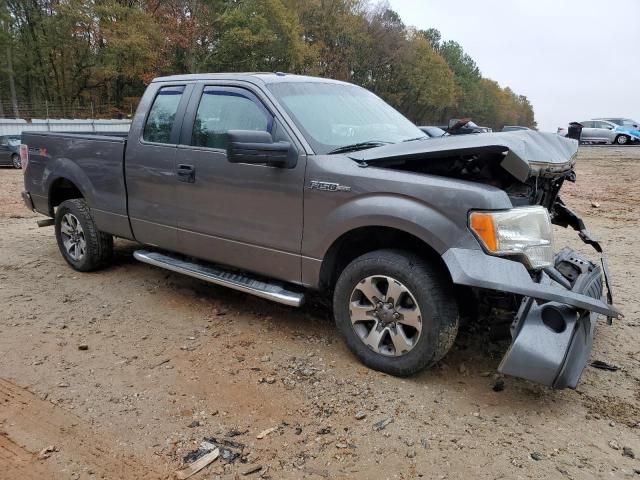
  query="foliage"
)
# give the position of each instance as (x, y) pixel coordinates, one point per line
(72, 53)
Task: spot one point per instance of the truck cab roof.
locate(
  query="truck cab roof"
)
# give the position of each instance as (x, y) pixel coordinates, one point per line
(252, 77)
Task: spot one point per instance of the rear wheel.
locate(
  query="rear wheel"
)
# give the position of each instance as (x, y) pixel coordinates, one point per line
(395, 311)
(622, 140)
(82, 245)
(15, 160)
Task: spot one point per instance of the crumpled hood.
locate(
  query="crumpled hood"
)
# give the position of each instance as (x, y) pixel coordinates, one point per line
(525, 152)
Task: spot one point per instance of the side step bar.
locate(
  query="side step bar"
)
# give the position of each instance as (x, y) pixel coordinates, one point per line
(271, 290)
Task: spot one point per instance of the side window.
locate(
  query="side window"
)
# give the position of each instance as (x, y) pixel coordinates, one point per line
(162, 115)
(603, 125)
(223, 110)
(4, 141)
(587, 124)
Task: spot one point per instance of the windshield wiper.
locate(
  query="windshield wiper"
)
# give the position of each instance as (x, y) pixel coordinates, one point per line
(415, 139)
(358, 146)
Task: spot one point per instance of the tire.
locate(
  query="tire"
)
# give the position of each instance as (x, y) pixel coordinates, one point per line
(621, 140)
(82, 245)
(427, 302)
(15, 160)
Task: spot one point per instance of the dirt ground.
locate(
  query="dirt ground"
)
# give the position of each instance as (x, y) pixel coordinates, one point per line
(168, 361)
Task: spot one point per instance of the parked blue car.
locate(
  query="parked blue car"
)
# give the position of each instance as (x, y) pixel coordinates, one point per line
(625, 130)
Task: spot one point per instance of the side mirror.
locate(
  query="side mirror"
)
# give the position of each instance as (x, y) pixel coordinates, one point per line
(257, 147)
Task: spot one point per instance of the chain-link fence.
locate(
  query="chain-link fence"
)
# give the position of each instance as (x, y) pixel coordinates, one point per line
(78, 110)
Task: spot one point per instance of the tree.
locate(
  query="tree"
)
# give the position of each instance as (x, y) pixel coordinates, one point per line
(71, 55)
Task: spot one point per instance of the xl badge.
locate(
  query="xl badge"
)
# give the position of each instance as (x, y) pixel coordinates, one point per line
(328, 186)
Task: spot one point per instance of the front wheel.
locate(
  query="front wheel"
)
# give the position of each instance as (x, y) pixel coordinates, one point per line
(15, 160)
(622, 140)
(82, 245)
(395, 311)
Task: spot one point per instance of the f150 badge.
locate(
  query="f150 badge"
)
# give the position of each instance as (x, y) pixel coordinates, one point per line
(328, 186)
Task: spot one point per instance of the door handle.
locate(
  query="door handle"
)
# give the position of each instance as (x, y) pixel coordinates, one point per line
(186, 173)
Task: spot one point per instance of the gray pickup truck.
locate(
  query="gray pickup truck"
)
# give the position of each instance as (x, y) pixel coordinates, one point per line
(277, 184)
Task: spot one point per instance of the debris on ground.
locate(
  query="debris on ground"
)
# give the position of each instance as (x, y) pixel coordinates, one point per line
(234, 432)
(194, 424)
(266, 432)
(382, 424)
(536, 456)
(498, 386)
(249, 469)
(595, 204)
(160, 363)
(604, 365)
(229, 450)
(360, 416)
(83, 346)
(613, 444)
(628, 452)
(46, 452)
(198, 465)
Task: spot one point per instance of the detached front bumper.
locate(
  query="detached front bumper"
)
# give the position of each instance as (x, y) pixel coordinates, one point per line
(554, 327)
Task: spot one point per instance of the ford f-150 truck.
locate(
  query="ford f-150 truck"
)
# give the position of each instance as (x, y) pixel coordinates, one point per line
(276, 184)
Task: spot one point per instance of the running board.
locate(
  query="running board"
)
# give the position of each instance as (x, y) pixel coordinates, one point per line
(274, 291)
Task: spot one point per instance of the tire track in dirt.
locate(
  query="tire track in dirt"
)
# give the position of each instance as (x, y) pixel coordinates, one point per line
(16, 462)
(30, 424)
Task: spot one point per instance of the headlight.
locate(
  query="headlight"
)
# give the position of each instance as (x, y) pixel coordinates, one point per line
(525, 232)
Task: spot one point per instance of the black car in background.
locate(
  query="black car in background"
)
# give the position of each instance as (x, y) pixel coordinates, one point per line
(464, 126)
(10, 151)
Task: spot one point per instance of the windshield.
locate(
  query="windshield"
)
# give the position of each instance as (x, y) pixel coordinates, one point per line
(623, 122)
(629, 123)
(13, 141)
(333, 115)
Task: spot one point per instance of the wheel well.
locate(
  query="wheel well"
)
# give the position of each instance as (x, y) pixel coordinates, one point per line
(61, 190)
(362, 240)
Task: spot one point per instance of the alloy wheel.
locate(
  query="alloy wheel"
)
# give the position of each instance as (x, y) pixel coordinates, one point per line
(385, 315)
(73, 237)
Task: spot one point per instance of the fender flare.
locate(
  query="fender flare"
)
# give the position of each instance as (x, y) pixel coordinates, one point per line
(63, 168)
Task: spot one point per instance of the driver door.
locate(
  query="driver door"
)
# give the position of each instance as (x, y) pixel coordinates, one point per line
(246, 216)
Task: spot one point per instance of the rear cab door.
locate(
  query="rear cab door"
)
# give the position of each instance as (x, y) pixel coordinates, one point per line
(246, 216)
(150, 163)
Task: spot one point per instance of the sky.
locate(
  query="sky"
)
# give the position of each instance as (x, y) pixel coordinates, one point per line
(574, 59)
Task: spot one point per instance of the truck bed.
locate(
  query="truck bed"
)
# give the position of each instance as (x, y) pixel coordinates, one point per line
(95, 163)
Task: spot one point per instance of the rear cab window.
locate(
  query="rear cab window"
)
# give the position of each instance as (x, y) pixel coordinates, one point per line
(162, 115)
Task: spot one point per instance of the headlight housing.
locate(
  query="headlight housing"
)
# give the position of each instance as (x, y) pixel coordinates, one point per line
(525, 232)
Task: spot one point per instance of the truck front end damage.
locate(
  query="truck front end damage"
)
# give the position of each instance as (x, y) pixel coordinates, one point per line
(555, 298)
(561, 295)
(552, 331)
